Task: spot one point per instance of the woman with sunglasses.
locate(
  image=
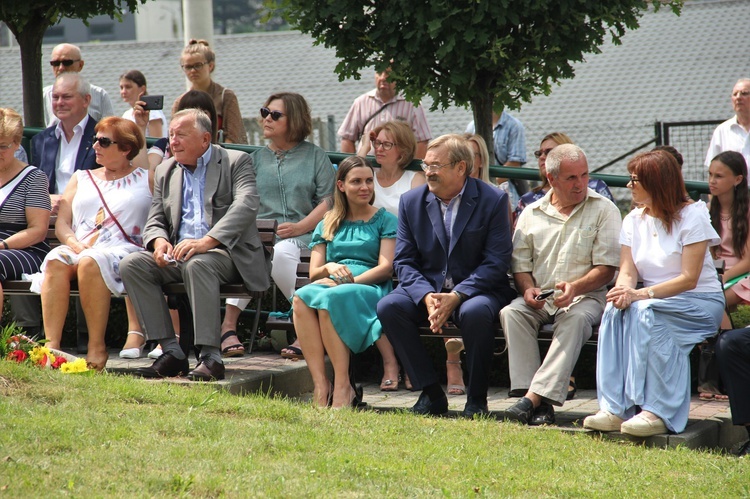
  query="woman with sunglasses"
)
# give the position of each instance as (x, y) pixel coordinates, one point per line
(549, 142)
(101, 219)
(646, 334)
(132, 87)
(295, 179)
(24, 205)
(198, 62)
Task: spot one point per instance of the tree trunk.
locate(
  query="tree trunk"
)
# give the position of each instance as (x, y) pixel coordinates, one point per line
(30, 42)
(481, 106)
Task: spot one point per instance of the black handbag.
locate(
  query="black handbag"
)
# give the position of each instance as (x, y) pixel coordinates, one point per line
(709, 380)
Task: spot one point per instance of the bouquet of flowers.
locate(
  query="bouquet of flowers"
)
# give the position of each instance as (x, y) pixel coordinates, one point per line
(16, 346)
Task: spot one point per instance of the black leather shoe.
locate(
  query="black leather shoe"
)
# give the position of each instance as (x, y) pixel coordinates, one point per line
(522, 411)
(518, 392)
(166, 366)
(544, 414)
(207, 370)
(744, 450)
(425, 406)
(472, 409)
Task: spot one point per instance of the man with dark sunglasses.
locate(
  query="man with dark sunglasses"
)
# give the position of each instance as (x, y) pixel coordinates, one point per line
(67, 58)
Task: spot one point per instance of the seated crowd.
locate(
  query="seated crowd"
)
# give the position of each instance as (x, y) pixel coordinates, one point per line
(132, 220)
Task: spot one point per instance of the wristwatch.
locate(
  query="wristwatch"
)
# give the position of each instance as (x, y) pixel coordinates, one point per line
(461, 296)
(650, 292)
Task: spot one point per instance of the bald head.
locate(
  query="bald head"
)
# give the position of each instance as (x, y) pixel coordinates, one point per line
(66, 57)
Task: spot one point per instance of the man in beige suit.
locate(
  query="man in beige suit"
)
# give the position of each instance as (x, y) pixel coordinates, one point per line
(201, 231)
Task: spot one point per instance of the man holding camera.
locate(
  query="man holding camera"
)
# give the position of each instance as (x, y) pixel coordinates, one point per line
(567, 242)
(67, 58)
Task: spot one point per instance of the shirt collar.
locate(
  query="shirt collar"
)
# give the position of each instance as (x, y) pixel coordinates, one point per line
(203, 160)
(80, 127)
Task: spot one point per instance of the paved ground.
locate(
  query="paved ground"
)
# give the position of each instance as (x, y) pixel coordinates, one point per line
(710, 423)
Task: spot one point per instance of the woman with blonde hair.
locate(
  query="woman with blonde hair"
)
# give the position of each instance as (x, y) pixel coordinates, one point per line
(351, 267)
(198, 62)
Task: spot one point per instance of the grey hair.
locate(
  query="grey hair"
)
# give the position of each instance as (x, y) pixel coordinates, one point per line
(201, 119)
(743, 80)
(458, 149)
(563, 152)
(82, 86)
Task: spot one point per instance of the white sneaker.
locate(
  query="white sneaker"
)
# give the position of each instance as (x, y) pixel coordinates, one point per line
(641, 426)
(603, 421)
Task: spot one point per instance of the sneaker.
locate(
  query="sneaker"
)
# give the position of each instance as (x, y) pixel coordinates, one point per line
(603, 421)
(640, 426)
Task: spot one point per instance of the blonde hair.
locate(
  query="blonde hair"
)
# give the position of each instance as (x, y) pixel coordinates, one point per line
(199, 47)
(403, 137)
(333, 217)
(11, 125)
(484, 156)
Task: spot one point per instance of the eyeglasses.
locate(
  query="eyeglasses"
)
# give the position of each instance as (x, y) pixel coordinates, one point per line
(633, 179)
(387, 146)
(275, 115)
(65, 62)
(741, 93)
(189, 67)
(5, 147)
(542, 152)
(436, 166)
(105, 142)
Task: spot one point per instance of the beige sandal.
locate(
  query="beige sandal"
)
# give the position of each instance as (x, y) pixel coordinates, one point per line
(456, 389)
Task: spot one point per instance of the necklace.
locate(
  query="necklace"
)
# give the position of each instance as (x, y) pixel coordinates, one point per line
(725, 218)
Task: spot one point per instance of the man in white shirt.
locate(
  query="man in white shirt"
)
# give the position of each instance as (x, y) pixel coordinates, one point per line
(58, 151)
(67, 58)
(734, 134)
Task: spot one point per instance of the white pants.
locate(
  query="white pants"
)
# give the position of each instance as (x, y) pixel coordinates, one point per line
(286, 258)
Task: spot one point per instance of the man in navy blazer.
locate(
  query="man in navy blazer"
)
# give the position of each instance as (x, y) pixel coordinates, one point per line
(453, 252)
(71, 96)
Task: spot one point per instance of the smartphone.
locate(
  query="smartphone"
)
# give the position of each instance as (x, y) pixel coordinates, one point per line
(153, 102)
(544, 294)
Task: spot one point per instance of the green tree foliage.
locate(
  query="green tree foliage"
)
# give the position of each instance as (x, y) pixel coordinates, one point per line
(29, 20)
(490, 54)
(245, 16)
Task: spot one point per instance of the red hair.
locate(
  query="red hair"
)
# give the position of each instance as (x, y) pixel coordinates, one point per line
(660, 176)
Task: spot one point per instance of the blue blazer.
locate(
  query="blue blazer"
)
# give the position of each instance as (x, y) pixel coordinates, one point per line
(45, 147)
(478, 256)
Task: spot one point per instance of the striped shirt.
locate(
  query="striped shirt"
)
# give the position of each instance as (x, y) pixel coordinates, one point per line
(398, 109)
(31, 192)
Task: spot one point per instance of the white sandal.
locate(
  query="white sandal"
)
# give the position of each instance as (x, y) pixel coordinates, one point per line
(133, 353)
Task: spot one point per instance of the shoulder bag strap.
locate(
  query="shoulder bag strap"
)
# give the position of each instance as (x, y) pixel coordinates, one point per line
(114, 218)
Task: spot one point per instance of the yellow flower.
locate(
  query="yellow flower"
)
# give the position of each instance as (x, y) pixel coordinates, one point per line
(77, 366)
(41, 355)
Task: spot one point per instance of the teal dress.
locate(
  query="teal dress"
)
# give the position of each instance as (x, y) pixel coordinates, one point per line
(352, 307)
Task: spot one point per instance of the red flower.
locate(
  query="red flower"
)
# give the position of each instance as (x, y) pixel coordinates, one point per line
(58, 362)
(18, 355)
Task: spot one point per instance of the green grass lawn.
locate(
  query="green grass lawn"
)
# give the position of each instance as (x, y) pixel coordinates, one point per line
(116, 436)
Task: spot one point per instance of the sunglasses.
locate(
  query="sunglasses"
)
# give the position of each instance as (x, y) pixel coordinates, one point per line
(542, 152)
(65, 62)
(189, 67)
(275, 115)
(105, 142)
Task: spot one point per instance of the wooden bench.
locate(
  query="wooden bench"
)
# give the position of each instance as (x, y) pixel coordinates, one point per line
(177, 296)
(449, 331)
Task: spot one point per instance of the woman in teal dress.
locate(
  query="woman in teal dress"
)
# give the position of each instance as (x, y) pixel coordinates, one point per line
(351, 267)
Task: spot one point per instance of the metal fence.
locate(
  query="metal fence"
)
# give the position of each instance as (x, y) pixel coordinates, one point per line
(691, 138)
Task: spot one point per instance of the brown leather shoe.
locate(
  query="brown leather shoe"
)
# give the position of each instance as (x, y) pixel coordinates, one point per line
(166, 366)
(207, 370)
